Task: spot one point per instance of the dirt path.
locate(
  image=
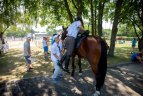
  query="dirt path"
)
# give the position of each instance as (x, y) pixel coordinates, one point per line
(124, 80)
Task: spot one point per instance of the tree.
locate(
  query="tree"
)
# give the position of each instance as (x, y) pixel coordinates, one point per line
(100, 16)
(114, 28)
(9, 14)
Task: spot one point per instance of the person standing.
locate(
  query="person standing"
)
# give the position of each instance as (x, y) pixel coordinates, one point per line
(69, 43)
(27, 53)
(45, 47)
(56, 57)
(134, 41)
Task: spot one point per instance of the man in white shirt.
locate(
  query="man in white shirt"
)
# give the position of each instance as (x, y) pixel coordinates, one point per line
(56, 57)
(27, 53)
(73, 30)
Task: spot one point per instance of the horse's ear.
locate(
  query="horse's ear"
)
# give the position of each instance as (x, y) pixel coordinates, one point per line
(63, 27)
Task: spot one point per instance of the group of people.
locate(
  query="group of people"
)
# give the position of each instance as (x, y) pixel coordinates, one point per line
(57, 50)
(61, 53)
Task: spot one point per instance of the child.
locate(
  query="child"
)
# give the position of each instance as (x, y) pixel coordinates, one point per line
(56, 56)
(137, 57)
(45, 47)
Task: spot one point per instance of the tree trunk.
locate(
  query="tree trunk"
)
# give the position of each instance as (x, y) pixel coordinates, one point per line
(68, 10)
(95, 25)
(92, 17)
(100, 15)
(114, 27)
(1, 38)
(1, 35)
(140, 44)
(80, 9)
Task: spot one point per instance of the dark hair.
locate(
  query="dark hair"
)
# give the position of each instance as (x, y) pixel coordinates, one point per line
(54, 34)
(78, 18)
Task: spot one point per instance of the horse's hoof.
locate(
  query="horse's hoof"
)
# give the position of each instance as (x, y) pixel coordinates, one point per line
(97, 93)
(80, 74)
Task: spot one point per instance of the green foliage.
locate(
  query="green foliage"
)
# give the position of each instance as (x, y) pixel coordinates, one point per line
(16, 32)
(126, 30)
(106, 33)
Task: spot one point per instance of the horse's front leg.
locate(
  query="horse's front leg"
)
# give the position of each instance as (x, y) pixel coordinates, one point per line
(79, 65)
(73, 66)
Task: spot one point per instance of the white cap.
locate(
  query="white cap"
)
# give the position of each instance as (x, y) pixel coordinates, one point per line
(55, 37)
(28, 37)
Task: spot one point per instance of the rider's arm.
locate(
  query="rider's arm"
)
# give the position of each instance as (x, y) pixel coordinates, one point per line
(81, 29)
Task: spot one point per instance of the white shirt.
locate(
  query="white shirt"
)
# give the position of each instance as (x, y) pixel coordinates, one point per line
(73, 29)
(44, 43)
(55, 50)
(26, 46)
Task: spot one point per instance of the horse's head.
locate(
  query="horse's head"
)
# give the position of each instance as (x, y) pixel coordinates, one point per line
(64, 33)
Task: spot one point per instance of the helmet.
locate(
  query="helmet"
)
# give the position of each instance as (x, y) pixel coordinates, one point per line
(77, 18)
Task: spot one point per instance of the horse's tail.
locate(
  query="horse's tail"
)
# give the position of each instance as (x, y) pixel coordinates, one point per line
(102, 66)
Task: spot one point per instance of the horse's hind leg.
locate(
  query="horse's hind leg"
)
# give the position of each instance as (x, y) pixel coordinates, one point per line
(73, 66)
(79, 65)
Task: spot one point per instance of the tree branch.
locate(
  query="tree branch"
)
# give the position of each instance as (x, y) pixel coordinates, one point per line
(134, 28)
(68, 10)
(136, 24)
(5, 29)
(74, 4)
(135, 31)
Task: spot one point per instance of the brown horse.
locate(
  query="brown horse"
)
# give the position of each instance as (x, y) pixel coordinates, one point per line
(94, 49)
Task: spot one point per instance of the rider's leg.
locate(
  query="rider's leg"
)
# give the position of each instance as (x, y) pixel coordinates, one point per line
(67, 60)
(70, 47)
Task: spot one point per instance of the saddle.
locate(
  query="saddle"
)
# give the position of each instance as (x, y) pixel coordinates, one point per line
(81, 37)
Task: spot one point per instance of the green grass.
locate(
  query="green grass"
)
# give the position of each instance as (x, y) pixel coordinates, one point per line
(122, 54)
(13, 66)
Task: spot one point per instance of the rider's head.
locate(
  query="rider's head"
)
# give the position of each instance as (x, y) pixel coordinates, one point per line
(78, 18)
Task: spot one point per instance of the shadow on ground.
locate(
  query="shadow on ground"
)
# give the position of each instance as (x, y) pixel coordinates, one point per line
(120, 80)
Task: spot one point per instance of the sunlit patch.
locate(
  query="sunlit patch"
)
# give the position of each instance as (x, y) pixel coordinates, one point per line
(76, 90)
(88, 79)
(40, 85)
(14, 64)
(114, 83)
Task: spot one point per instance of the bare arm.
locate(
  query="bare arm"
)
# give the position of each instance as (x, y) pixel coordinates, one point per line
(81, 29)
(139, 59)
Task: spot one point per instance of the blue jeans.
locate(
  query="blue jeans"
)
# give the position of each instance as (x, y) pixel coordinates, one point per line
(45, 49)
(57, 69)
(28, 61)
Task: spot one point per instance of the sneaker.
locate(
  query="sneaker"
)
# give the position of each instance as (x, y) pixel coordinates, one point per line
(29, 70)
(55, 80)
(61, 75)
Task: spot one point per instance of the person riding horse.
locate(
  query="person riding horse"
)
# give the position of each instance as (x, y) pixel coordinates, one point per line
(69, 43)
